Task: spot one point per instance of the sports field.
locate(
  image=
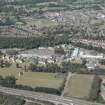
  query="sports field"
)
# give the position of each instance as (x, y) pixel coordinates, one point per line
(79, 86)
(34, 79)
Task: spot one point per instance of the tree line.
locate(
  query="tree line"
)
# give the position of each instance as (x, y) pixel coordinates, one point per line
(95, 89)
(31, 42)
(64, 67)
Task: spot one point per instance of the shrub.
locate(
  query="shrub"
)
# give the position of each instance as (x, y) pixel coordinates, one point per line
(94, 92)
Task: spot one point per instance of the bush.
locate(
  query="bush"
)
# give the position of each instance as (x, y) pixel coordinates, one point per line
(94, 92)
(10, 100)
(24, 87)
(59, 50)
(9, 81)
(47, 90)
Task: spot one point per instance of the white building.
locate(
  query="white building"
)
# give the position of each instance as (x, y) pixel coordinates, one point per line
(92, 64)
(75, 53)
(91, 56)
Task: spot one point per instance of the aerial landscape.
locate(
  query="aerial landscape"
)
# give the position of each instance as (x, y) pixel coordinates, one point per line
(52, 52)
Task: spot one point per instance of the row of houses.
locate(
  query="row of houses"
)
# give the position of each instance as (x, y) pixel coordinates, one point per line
(42, 55)
(94, 43)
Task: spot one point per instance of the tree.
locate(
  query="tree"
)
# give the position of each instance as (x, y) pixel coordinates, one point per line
(102, 62)
(84, 61)
(17, 65)
(7, 64)
(32, 67)
(10, 81)
(1, 80)
(9, 21)
(59, 50)
(1, 63)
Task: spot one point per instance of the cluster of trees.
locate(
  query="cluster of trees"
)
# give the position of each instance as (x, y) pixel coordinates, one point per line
(102, 62)
(9, 81)
(83, 31)
(51, 36)
(8, 21)
(55, 68)
(59, 50)
(31, 42)
(48, 90)
(4, 64)
(25, 2)
(95, 89)
(40, 89)
(10, 100)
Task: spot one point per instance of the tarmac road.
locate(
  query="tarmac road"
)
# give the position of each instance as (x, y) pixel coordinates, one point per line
(40, 96)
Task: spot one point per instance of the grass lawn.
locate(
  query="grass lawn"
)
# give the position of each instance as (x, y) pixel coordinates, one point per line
(79, 86)
(34, 79)
(42, 23)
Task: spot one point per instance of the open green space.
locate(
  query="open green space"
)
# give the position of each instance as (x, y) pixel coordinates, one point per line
(41, 23)
(79, 86)
(34, 79)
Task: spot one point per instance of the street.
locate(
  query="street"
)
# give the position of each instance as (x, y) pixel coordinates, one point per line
(40, 96)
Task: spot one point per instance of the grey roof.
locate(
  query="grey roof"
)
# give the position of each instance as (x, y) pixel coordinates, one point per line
(39, 52)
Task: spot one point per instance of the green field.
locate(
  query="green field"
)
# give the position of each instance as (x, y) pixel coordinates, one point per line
(41, 23)
(34, 79)
(79, 86)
